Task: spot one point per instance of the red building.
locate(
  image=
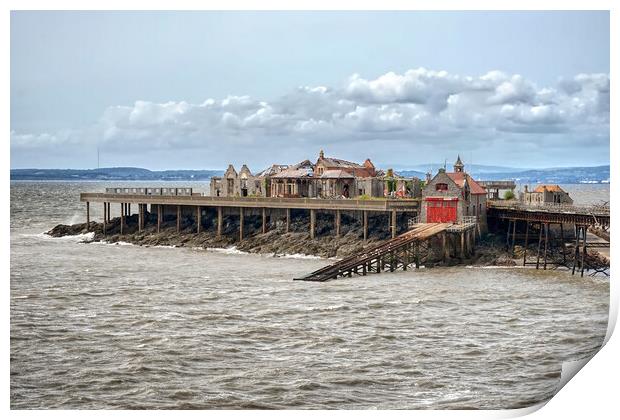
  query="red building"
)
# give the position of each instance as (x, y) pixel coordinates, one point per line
(450, 196)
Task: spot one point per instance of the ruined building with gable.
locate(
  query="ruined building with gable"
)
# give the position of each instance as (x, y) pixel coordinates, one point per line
(326, 178)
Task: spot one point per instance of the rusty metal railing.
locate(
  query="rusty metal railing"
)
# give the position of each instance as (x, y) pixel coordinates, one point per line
(602, 210)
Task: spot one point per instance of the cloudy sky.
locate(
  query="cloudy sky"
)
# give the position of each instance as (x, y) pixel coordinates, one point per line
(197, 90)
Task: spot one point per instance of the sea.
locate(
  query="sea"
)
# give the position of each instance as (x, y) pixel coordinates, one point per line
(118, 326)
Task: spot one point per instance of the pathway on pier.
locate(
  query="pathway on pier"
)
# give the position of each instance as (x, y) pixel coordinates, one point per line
(401, 251)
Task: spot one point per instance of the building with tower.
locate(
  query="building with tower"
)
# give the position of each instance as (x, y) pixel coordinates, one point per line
(452, 196)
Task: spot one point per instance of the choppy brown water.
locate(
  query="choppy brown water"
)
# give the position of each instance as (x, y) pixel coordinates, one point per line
(113, 326)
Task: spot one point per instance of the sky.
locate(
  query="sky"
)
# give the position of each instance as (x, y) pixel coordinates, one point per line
(199, 90)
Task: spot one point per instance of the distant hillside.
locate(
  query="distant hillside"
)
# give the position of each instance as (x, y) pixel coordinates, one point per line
(575, 175)
(112, 174)
(409, 173)
(473, 168)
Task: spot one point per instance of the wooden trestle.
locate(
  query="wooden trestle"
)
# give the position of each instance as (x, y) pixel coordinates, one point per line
(402, 251)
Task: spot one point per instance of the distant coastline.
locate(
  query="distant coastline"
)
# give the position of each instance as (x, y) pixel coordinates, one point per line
(568, 175)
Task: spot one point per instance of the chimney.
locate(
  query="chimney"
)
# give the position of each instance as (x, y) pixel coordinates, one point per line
(428, 177)
(321, 154)
(525, 187)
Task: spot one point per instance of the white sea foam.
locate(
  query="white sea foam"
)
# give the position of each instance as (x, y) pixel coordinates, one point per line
(300, 256)
(230, 250)
(122, 243)
(75, 219)
(487, 267)
(79, 237)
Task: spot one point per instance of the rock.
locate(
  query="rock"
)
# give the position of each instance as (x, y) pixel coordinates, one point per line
(490, 251)
(66, 230)
(505, 261)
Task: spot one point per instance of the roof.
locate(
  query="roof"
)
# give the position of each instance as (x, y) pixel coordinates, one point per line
(550, 188)
(272, 170)
(340, 163)
(303, 169)
(459, 179)
(336, 173)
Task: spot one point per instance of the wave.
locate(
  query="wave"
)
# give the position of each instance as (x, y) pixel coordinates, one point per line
(301, 256)
(79, 237)
(231, 250)
(487, 267)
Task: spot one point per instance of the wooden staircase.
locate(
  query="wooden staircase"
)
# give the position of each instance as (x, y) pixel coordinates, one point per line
(402, 251)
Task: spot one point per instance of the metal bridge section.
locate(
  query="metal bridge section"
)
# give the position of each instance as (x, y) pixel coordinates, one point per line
(408, 249)
(537, 221)
(595, 215)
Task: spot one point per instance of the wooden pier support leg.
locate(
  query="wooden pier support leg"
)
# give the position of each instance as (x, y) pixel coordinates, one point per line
(128, 209)
(576, 256)
(312, 223)
(365, 216)
(109, 213)
(417, 255)
(139, 217)
(393, 224)
(563, 243)
(444, 247)
(105, 216)
(122, 217)
(583, 253)
(288, 220)
(198, 219)
(468, 242)
(87, 216)
(462, 245)
(178, 219)
(264, 220)
(527, 232)
(241, 223)
(508, 234)
(546, 245)
(514, 231)
(159, 218)
(540, 227)
(219, 222)
(337, 220)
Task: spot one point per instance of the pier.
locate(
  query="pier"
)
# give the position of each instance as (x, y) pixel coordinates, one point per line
(193, 204)
(521, 221)
(538, 220)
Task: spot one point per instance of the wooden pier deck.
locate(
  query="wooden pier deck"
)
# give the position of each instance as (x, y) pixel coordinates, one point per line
(398, 205)
(400, 252)
(196, 203)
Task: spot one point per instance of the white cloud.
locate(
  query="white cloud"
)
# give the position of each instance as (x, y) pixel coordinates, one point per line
(415, 107)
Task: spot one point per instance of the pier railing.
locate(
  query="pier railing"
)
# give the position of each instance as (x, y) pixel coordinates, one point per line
(602, 210)
(268, 202)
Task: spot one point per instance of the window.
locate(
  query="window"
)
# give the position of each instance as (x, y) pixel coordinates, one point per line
(441, 187)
